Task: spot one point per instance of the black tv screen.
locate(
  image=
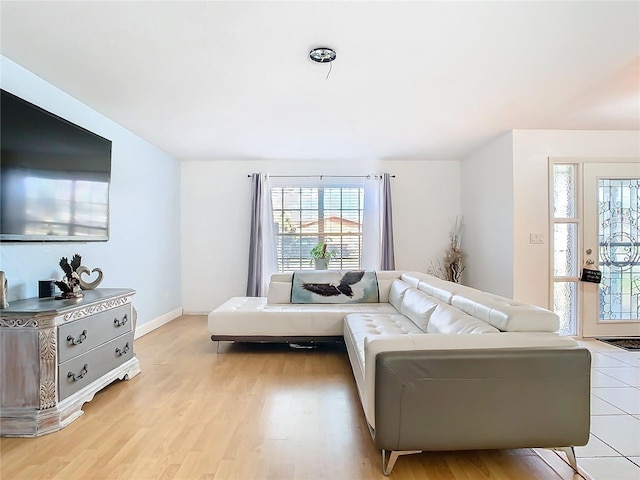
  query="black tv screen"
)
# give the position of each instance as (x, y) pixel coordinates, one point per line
(54, 176)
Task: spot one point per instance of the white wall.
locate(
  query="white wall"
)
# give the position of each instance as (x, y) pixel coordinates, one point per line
(216, 200)
(143, 251)
(505, 198)
(487, 208)
(531, 151)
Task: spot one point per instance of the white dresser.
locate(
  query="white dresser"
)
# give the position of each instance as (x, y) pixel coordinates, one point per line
(56, 354)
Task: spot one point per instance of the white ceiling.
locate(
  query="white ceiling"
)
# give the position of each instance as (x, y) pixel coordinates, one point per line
(416, 80)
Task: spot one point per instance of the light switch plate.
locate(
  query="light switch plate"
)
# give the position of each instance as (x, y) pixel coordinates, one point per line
(536, 238)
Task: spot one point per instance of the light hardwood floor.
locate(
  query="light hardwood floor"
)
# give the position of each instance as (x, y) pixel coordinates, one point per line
(251, 412)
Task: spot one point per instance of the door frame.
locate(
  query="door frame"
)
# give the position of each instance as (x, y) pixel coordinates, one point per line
(579, 162)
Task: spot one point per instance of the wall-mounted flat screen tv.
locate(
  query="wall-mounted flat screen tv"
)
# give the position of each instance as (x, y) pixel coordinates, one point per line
(54, 176)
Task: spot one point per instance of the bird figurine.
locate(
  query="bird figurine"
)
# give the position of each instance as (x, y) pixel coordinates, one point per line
(64, 288)
(70, 284)
(330, 290)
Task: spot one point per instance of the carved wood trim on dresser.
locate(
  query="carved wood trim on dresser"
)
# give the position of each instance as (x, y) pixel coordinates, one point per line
(55, 355)
(47, 368)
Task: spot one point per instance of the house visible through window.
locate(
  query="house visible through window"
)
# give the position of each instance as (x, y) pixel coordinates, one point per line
(306, 216)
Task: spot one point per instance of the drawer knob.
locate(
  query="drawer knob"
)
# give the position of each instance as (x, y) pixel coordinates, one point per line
(80, 375)
(120, 323)
(124, 350)
(79, 340)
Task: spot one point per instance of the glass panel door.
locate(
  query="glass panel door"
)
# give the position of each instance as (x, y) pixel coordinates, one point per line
(612, 245)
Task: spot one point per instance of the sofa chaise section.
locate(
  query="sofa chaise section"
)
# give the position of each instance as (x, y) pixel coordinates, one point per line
(253, 319)
(499, 378)
(275, 319)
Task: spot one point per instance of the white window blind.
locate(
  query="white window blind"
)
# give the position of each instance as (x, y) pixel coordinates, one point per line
(305, 216)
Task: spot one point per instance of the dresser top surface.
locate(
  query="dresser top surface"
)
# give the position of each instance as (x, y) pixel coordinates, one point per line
(52, 307)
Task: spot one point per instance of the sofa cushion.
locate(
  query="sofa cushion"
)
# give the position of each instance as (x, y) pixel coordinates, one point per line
(396, 293)
(361, 325)
(253, 316)
(412, 278)
(436, 287)
(385, 279)
(418, 306)
(282, 277)
(358, 326)
(433, 286)
(434, 316)
(279, 292)
(447, 319)
(505, 314)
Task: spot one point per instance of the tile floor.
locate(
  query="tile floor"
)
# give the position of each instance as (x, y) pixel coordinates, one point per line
(613, 451)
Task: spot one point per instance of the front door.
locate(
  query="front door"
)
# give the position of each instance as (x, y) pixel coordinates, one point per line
(611, 244)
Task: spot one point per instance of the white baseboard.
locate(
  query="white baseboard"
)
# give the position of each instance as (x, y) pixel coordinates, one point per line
(157, 322)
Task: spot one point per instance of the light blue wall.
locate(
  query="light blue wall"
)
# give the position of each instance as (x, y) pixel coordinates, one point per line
(143, 251)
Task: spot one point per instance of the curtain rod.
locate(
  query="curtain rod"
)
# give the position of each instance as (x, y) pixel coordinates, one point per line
(323, 176)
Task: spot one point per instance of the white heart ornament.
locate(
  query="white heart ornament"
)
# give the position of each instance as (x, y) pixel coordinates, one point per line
(88, 285)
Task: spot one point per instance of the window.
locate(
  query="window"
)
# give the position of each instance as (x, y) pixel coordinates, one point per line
(305, 216)
(565, 247)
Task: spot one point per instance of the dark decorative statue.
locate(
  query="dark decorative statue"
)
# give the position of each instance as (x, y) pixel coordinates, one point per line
(70, 284)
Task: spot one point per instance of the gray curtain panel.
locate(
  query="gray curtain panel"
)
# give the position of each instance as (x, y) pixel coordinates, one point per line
(254, 278)
(387, 257)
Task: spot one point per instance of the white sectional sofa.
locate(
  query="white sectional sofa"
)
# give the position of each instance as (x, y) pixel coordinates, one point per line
(438, 366)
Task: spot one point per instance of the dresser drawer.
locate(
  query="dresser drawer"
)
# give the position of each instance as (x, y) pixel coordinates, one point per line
(77, 373)
(80, 336)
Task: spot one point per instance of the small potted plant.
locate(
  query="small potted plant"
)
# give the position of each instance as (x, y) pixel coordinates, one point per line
(321, 256)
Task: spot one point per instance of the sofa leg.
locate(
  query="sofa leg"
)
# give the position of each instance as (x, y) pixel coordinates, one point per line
(571, 457)
(388, 466)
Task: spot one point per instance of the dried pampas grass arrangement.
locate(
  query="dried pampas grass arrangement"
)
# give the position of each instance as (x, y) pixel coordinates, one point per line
(452, 266)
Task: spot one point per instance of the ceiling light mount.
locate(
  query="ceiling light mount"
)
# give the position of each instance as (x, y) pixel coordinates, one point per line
(322, 54)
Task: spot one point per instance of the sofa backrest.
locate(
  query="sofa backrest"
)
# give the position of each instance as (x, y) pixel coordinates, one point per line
(396, 293)
(429, 284)
(385, 279)
(502, 313)
(418, 306)
(280, 286)
(432, 315)
(506, 314)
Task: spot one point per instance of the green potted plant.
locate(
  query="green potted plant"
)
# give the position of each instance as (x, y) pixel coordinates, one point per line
(321, 256)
